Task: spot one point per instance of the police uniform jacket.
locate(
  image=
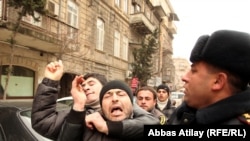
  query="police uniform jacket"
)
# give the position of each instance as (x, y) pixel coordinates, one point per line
(233, 110)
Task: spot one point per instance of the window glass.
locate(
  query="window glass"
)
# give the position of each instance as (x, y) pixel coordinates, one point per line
(117, 44)
(72, 14)
(124, 50)
(125, 6)
(117, 3)
(16, 87)
(100, 34)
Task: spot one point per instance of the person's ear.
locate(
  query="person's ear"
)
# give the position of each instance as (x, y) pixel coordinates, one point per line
(220, 81)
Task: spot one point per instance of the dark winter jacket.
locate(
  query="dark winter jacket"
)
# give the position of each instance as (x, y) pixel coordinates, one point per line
(157, 113)
(168, 109)
(74, 129)
(229, 111)
(44, 117)
(47, 121)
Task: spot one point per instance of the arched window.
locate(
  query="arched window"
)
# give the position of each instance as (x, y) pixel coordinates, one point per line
(21, 82)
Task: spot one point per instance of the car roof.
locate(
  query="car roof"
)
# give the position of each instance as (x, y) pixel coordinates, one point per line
(65, 98)
(20, 104)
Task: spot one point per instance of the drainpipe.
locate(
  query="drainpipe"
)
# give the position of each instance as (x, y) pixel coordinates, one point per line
(58, 28)
(59, 16)
(4, 9)
(160, 50)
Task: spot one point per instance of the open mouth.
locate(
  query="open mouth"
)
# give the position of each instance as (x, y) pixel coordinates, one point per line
(116, 109)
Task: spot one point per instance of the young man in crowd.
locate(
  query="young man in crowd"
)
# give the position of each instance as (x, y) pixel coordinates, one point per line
(164, 103)
(146, 98)
(217, 85)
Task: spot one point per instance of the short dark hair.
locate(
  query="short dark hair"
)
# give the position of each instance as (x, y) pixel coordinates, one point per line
(144, 88)
(234, 79)
(99, 77)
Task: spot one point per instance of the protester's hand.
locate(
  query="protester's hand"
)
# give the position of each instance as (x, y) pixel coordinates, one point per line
(78, 94)
(54, 70)
(95, 120)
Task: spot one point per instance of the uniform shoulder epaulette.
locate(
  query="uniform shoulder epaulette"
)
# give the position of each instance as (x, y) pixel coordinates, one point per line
(163, 119)
(245, 118)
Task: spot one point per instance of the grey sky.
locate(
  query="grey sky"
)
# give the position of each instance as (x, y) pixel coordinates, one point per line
(199, 17)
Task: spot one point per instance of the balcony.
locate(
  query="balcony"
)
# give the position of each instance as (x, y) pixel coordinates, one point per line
(167, 50)
(169, 25)
(43, 37)
(141, 23)
(160, 7)
(172, 28)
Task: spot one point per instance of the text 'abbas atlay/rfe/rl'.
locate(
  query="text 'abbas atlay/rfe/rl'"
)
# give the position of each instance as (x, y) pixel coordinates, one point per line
(198, 133)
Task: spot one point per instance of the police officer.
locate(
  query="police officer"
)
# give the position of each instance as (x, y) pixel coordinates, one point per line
(216, 86)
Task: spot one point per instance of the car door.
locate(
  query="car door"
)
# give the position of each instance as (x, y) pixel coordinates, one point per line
(12, 129)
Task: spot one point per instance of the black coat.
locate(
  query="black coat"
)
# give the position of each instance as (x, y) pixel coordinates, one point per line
(48, 122)
(168, 109)
(229, 111)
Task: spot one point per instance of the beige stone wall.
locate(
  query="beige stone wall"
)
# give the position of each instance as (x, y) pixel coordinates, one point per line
(85, 58)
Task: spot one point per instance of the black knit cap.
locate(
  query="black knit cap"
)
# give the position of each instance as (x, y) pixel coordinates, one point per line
(226, 49)
(163, 86)
(116, 84)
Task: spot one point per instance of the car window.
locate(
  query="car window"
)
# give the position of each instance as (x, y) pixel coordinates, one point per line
(177, 95)
(11, 127)
(174, 96)
(25, 117)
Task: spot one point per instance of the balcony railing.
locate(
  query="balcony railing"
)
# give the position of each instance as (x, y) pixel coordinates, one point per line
(141, 23)
(49, 35)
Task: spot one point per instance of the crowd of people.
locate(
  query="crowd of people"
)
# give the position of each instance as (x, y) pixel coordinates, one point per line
(106, 110)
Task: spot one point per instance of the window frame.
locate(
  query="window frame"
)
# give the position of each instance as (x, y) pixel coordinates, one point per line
(124, 49)
(100, 34)
(117, 40)
(72, 14)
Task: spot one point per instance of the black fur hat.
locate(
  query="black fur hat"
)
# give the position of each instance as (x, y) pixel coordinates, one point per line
(226, 49)
(116, 84)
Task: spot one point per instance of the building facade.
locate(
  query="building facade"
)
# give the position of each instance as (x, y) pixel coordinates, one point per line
(182, 66)
(87, 35)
